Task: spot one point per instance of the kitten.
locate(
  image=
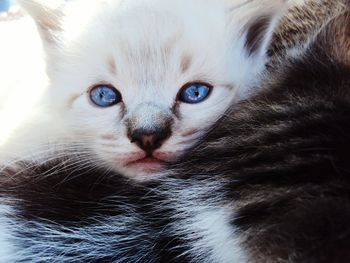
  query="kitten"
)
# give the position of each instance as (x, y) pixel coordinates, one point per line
(268, 183)
(134, 84)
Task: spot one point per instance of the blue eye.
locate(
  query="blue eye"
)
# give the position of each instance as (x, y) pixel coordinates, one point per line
(105, 96)
(194, 93)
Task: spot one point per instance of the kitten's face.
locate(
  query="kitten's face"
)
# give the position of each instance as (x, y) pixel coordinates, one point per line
(141, 82)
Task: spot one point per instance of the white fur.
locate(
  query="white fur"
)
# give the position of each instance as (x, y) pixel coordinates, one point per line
(216, 235)
(147, 40)
(204, 220)
(22, 84)
(8, 246)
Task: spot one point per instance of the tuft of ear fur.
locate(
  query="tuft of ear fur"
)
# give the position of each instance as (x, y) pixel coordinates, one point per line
(261, 21)
(46, 14)
(256, 21)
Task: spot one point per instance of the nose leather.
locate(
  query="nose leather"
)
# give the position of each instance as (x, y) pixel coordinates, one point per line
(150, 140)
(149, 125)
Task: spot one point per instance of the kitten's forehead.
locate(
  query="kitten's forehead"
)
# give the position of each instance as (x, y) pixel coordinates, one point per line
(155, 28)
(146, 37)
(152, 23)
(145, 45)
(153, 43)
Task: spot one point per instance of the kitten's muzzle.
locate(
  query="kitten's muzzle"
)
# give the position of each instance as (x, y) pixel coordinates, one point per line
(149, 126)
(150, 140)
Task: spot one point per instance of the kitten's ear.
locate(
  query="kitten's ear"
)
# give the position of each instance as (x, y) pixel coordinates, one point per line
(262, 17)
(47, 15)
(256, 20)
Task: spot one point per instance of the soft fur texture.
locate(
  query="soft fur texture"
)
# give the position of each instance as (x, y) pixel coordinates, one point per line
(268, 183)
(303, 21)
(148, 50)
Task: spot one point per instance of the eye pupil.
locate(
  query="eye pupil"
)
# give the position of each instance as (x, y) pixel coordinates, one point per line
(194, 93)
(105, 96)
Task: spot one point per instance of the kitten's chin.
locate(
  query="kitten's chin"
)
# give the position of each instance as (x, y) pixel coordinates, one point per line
(141, 167)
(144, 170)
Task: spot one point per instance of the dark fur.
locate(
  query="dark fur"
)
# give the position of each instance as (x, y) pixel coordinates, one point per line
(92, 202)
(303, 22)
(287, 158)
(281, 157)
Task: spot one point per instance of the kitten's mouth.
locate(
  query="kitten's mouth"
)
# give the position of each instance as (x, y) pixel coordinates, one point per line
(147, 164)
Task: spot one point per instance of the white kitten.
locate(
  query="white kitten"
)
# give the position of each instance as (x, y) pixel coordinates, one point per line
(134, 83)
